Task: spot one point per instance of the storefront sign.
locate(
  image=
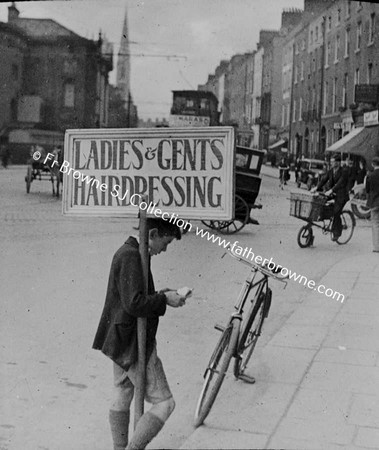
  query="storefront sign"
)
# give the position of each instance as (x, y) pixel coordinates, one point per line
(188, 121)
(370, 118)
(188, 172)
(366, 93)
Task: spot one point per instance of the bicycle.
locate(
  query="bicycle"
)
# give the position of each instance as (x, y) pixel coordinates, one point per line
(239, 337)
(320, 209)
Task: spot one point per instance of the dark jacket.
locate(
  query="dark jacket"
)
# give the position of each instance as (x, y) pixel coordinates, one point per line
(351, 176)
(372, 189)
(116, 335)
(338, 183)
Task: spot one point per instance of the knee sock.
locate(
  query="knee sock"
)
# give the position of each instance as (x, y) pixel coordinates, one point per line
(119, 422)
(147, 427)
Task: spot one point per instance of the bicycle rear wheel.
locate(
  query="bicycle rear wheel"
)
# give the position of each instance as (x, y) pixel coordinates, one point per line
(216, 370)
(251, 331)
(348, 225)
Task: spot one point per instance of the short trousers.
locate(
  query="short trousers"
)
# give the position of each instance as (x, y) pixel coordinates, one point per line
(156, 389)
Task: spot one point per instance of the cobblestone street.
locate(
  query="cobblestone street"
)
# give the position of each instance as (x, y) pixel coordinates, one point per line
(316, 364)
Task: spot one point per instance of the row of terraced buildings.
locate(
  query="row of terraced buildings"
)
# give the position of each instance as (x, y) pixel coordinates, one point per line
(307, 84)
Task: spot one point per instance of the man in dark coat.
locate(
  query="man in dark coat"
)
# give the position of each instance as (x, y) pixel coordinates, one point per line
(116, 336)
(337, 182)
(372, 189)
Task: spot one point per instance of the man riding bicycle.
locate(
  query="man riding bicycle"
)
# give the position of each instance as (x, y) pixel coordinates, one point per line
(336, 181)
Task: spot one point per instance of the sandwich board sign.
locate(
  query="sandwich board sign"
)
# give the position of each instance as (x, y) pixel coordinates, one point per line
(188, 172)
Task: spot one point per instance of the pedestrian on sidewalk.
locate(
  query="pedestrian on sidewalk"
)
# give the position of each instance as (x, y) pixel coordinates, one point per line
(372, 189)
(283, 172)
(116, 337)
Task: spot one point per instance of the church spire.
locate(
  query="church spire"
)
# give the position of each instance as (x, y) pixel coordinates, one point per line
(123, 63)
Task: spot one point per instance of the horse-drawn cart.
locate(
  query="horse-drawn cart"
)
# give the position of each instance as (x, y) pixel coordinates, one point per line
(40, 170)
(248, 181)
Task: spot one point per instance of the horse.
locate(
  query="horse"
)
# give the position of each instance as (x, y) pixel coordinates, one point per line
(54, 166)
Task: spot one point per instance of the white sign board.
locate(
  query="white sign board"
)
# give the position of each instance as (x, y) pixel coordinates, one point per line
(183, 171)
(188, 121)
(370, 118)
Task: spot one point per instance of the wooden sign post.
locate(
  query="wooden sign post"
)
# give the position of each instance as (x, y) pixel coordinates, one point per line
(141, 322)
(170, 173)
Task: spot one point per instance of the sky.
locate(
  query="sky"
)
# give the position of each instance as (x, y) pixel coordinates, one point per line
(174, 44)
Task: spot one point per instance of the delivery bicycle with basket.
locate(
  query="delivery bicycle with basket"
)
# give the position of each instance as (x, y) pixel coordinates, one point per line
(239, 336)
(313, 208)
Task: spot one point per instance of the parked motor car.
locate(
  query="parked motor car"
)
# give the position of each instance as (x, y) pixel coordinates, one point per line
(309, 172)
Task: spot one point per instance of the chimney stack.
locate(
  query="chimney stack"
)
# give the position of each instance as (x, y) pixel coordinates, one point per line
(13, 12)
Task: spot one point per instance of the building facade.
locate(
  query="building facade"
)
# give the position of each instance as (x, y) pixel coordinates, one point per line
(51, 79)
(341, 52)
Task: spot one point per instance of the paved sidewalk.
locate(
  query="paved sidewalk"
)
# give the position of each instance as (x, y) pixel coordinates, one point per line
(321, 374)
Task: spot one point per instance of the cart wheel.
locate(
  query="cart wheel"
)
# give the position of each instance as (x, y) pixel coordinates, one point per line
(305, 236)
(241, 217)
(362, 212)
(215, 224)
(28, 179)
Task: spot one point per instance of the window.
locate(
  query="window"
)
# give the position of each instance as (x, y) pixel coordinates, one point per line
(204, 104)
(338, 16)
(336, 48)
(189, 103)
(359, 36)
(347, 43)
(297, 48)
(69, 95)
(327, 54)
(334, 97)
(316, 34)
(369, 73)
(311, 38)
(294, 111)
(300, 108)
(344, 90)
(348, 8)
(326, 96)
(296, 74)
(303, 44)
(329, 23)
(371, 30)
(356, 77)
(302, 71)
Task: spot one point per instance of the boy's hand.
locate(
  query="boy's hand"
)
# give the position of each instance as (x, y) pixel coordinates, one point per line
(175, 300)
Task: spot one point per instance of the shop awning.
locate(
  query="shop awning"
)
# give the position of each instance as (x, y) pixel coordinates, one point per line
(362, 141)
(277, 144)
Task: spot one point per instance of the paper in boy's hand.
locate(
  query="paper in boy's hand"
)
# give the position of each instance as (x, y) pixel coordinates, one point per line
(184, 291)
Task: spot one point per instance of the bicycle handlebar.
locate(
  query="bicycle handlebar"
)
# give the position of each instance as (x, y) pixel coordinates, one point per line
(257, 267)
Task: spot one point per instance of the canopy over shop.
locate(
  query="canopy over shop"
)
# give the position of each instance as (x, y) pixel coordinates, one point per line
(361, 141)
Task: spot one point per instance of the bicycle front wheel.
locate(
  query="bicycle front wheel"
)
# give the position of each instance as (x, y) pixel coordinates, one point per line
(216, 370)
(348, 225)
(251, 331)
